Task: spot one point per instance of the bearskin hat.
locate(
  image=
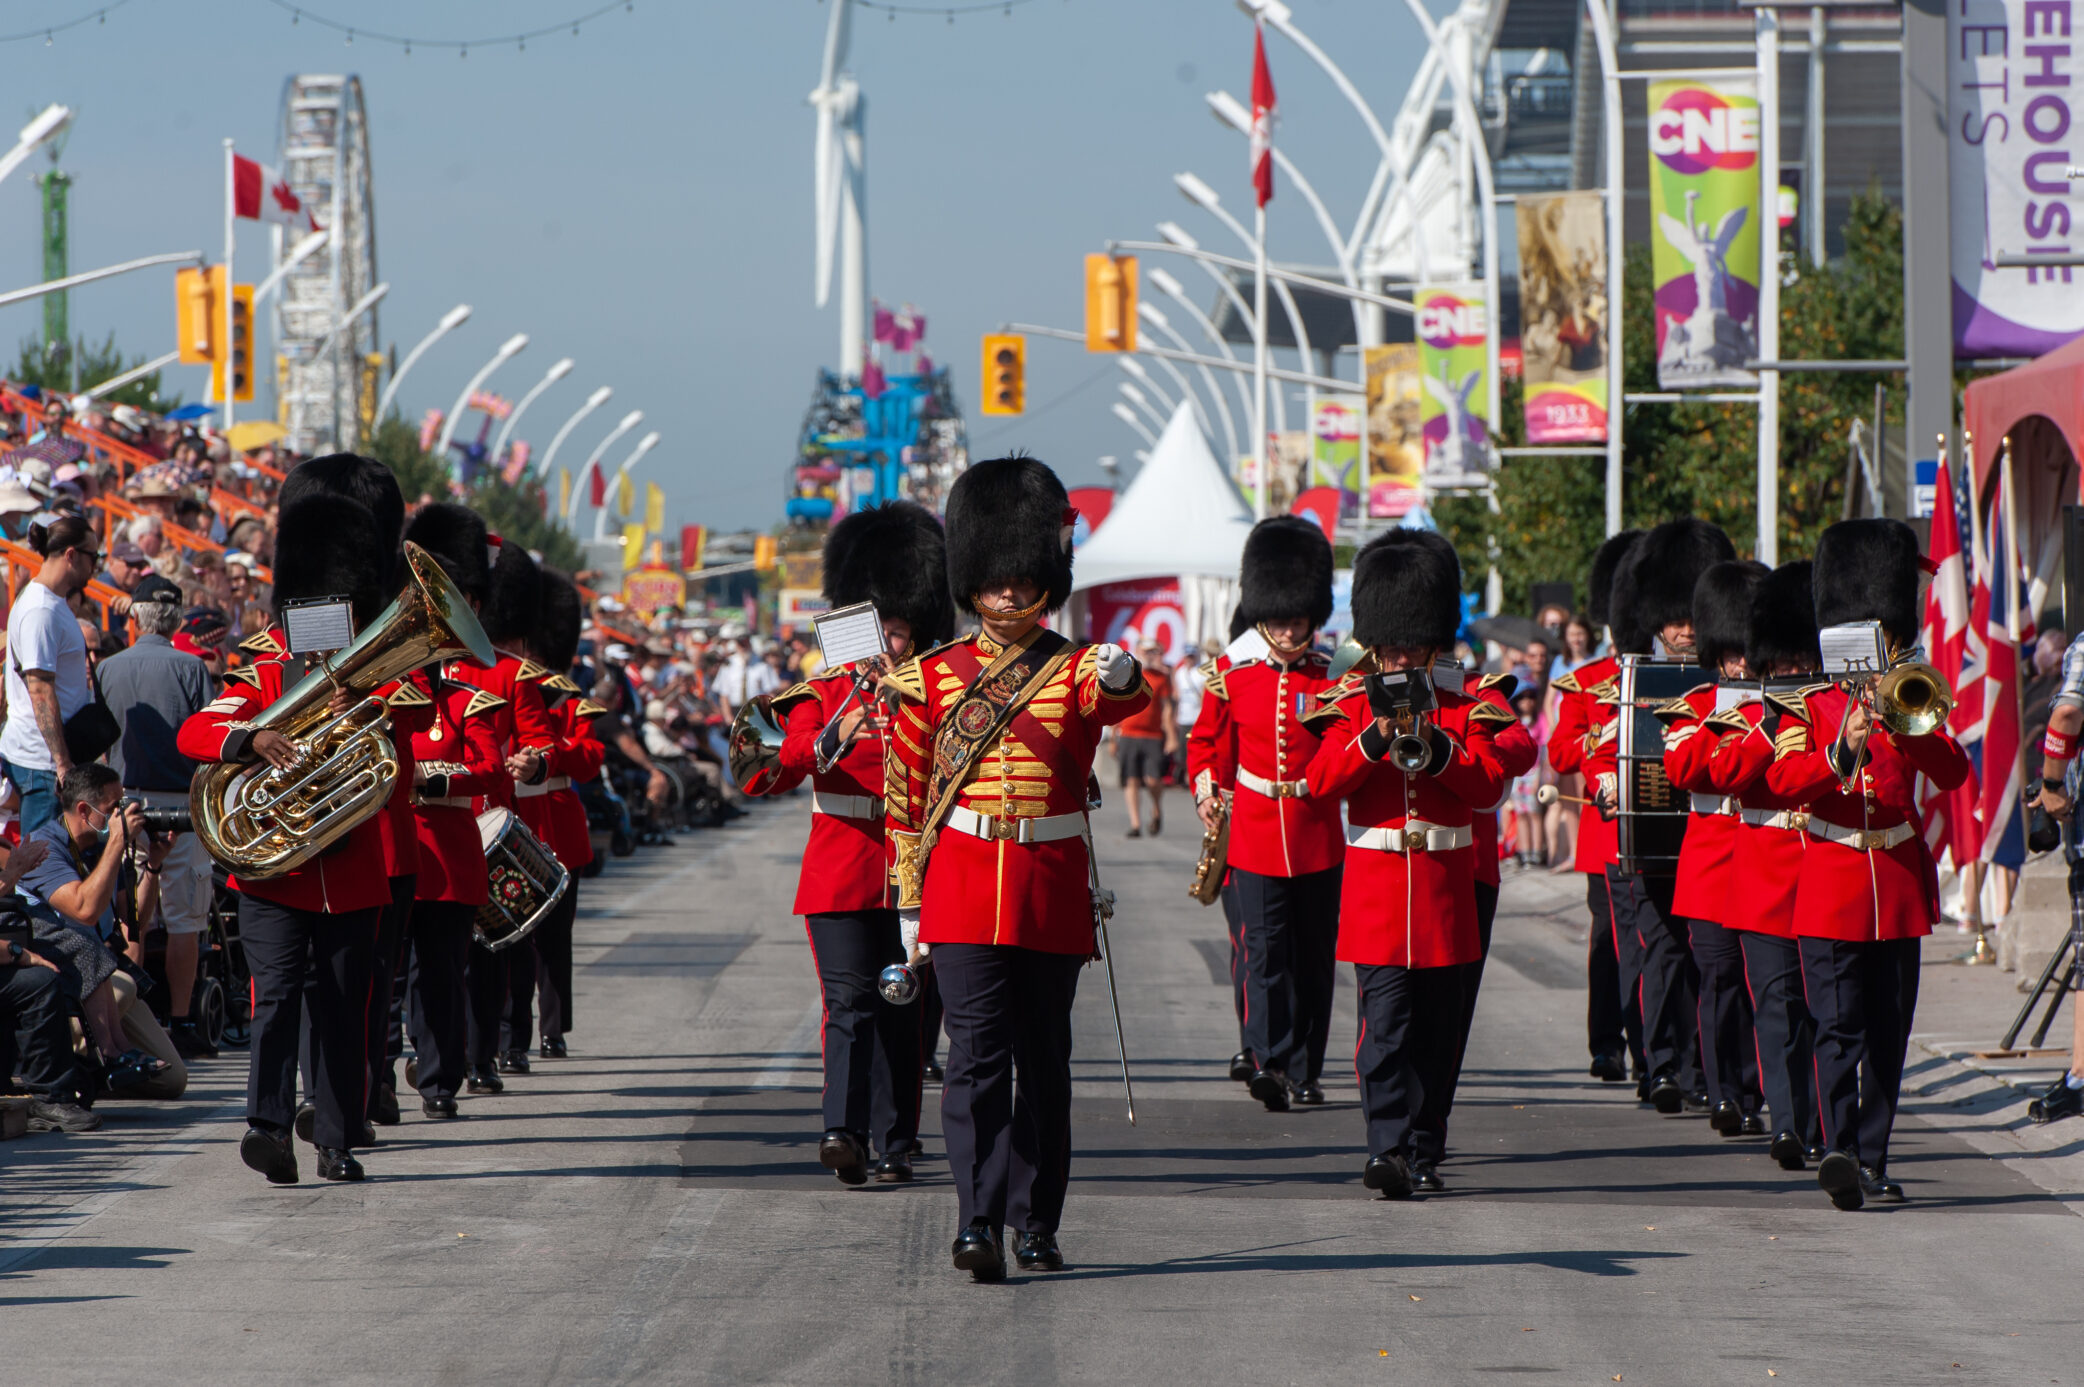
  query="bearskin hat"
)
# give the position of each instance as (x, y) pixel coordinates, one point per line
(515, 597)
(1238, 624)
(1722, 610)
(328, 546)
(1783, 621)
(556, 637)
(358, 479)
(1653, 587)
(1286, 572)
(1009, 518)
(1407, 590)
(455, 537)
(895, 556)
(1867, 570)
(1599, 587)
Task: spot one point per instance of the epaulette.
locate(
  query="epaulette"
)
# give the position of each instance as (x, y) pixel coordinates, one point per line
(1792, 706)
(908, 679)
(1672, 710)
(1807, 689)
(1343, 690)
(1793, 740)
(562, 683)
(1506, 684)
(587, 708)
(262, 643)
(1487, 711)
(531, 672)
(245, 674)
(1606, 690)
(794, 694)
(1729, 720)
(408, 695)
(482, 702)
(1568, 683)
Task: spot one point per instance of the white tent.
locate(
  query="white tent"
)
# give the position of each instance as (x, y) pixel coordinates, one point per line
(1181, 518)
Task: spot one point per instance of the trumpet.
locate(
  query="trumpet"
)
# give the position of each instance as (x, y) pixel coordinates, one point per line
(1912, 698)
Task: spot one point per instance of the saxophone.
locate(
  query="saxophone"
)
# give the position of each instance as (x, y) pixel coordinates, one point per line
(1215, 852)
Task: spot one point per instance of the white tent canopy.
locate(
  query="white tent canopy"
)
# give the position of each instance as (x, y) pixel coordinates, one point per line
(1180, 518)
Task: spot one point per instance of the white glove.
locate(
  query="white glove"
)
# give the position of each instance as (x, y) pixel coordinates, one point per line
(1117, 667)
(908, 932)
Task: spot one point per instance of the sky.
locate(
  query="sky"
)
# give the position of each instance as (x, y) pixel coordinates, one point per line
(639, 197)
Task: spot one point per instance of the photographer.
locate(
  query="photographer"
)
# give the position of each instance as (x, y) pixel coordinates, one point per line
(152, 688)
(2065, 1097)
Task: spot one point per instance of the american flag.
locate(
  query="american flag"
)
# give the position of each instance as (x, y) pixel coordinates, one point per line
(1949, 814)
(1997, 595)
(1262, 120)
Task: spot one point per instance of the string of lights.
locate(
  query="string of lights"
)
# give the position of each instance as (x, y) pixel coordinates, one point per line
(47, 32)
(1005, 7)
(407, 42)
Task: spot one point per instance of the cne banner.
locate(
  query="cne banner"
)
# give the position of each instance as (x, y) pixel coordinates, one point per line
(1453, 327)
(1705, 228)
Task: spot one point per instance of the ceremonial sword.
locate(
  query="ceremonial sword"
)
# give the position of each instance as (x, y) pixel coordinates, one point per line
(1103, 909)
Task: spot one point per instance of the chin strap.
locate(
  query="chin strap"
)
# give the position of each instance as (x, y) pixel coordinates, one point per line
(1032, 609)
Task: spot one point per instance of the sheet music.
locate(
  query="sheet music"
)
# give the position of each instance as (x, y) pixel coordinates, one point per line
(848, 634)
(312, 627)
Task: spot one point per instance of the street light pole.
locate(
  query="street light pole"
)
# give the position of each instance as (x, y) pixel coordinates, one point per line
(450, 321)
(1177, 292)
(600, 514)
(1155, 316)
(593, 402)
(1142, 401)
(1128, 416)
(629, 421)
(555, 374)
(507, 351)
(47, 126)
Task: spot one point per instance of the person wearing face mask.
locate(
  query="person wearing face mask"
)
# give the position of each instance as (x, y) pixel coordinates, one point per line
(985, 798)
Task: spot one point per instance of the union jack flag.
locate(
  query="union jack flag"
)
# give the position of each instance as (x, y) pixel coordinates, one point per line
(1997, 595)
(1950, 822)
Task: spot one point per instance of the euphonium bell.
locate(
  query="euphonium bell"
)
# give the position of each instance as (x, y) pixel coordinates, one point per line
(1912, 699)
(756, 741)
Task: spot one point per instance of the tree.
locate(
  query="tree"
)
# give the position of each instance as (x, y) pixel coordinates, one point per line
(517, 513)
(53, 370)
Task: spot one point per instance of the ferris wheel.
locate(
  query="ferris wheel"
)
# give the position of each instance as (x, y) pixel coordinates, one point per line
(326, 374)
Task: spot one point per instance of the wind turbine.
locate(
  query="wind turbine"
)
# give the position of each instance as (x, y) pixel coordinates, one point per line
(842, 192)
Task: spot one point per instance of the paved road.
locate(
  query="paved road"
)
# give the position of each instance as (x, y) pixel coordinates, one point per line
(651, 1210)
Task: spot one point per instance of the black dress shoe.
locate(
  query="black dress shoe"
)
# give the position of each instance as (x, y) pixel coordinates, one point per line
(894, 1169)
(438, 1107)
(1754, 1125)
(386, 1114)
(1271, 1088)
(552, 1048)
(1697, 1101)
(1642, 1088)
(1425, 1178)
(1609, 1069)
(1726, 1119)
(1665, 1095)
(1038, 1252)
(1241, 1067)
(1787, 1150)
(337, 1165)
(2058, 1102)
(513, 1062)
(1880, 1187)
(1816, 1154)
(306, 1123)
(933, 1073)
(842, 1153)
(271, 1154)
(412, 1072)
(1389, 1175)
(979, 1252)
(483, 1080)
(367, 1134)
(189, 1041)
(1310, 1093)
(1839, 1175)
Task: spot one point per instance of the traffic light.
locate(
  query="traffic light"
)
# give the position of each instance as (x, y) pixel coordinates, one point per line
(242, 343)
(1005, 373)
(763, 552)
(196, 319)
(1110, 303)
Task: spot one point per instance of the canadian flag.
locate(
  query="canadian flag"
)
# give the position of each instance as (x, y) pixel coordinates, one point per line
(1262, 120)
(260, 193)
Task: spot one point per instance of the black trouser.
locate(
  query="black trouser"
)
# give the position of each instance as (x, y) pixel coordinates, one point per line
(871, 1047)
(1722, 1016)
(518, 1025)
(1439, 1102)
(930, 1010)
(1234, 926)
(1614, 1015)
(1670, 982)
(1408, 1018)
(1863, 997)
(385, 964)
(1006, 1103)
(1289, 970)
(36, 1033)
(283, 944)
(485, 991)
(436, 989)
(1786, 1033)
(553, 962)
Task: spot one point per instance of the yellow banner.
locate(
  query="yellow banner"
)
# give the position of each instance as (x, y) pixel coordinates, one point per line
(632, 546)
(625, 494)
(654, 507)
(564, 490)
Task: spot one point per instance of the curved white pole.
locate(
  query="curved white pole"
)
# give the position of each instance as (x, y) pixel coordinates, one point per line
(1128, 416)
(555, 374)
(629, 421)
(301, 252)
(450, 321)
(1204, 197)
(1143, 402)
(593, 402)
(362, 305)
(644, 445)
(1616, 408)
(507, 351)
(1185, 245)
(1153, 315)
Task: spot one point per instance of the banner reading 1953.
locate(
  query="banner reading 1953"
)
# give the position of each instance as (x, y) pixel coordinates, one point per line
(1563, 316)
(1704, 230)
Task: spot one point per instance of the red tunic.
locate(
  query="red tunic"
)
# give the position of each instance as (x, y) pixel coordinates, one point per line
(844, 867)
(348, 876)
(523, 723)
(1516, 750)
(1410, 908)
(1034, 895)
(459, 756)
(1582, 721)
(1705, 886)
(1848, 892)
(551, 808)
(1252, 721)
(1767, 858)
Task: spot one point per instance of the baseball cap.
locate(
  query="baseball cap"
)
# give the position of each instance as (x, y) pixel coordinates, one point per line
(124, 550)
(158, 589)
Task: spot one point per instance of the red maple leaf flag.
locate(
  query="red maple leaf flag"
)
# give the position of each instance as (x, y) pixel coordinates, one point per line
(596, 486)
(1262, 120)
(260, 193)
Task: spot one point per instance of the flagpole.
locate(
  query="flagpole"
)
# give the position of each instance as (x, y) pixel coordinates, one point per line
(1259, 442)
(231, 214)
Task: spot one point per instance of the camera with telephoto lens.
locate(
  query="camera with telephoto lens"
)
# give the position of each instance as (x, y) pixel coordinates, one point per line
(164, 822)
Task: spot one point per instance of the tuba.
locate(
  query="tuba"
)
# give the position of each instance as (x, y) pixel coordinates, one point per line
(263, 822)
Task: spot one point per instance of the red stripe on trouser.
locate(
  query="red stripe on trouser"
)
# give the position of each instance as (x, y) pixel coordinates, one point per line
(824, 1017)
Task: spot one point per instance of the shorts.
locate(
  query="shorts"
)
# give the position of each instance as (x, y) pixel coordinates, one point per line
(185, 884)
(1141, 758)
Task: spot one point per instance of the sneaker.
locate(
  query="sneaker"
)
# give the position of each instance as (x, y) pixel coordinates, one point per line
(189, 1042)
(2058, 1102)
(61, 1117)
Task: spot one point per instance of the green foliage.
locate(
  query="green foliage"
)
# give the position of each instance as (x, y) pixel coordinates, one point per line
(514, 513)
(52, 370)
(1701, 459)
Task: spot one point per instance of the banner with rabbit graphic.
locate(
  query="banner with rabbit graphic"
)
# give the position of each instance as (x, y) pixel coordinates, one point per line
(1453, 324)
(1704, 230)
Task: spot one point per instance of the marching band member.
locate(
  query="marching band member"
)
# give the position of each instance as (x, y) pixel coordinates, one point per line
(1704, 897)
(1285, 846)
(322, 916)
(552, 809)
(1653, 591)
(1613, 1018)
(1220, 762)
(1407, 908)
(894, 557)
(1767, 860)
(1868, 890)
(991, 755)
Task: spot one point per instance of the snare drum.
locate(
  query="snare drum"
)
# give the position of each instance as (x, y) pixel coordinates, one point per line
(523, 878)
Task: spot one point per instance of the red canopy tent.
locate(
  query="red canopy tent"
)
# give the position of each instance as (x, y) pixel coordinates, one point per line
(2040, 407)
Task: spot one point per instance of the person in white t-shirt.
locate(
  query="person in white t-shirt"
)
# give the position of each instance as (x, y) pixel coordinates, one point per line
(46, 679)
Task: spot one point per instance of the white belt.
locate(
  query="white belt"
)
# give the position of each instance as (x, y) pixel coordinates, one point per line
(1273, 789)
(1860, 839)
(550, 786)
(1775, 818)
(1016, 830)
(1415, 836)
(1713, 804)
(447, 802)
(846, 806)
